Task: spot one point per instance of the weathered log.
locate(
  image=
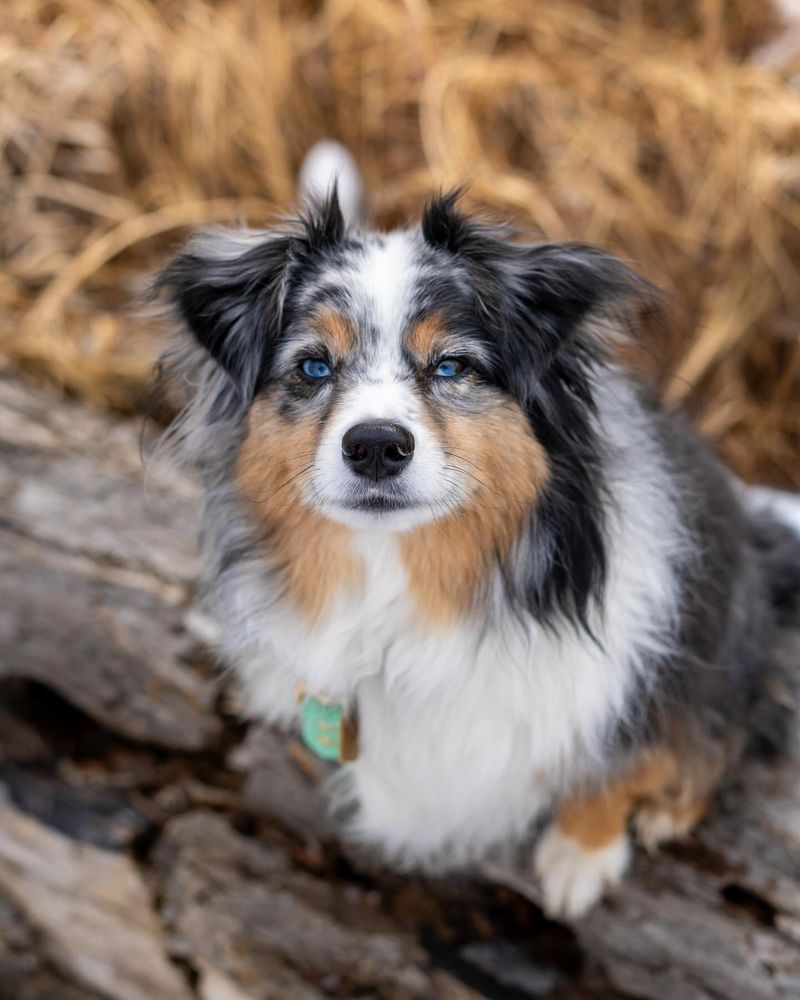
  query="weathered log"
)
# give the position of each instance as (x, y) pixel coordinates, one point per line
(90, 909)
(245, 910)
(95, 571)
(96, 605)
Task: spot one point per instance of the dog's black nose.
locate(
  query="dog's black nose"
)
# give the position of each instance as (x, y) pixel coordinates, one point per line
(377, 450)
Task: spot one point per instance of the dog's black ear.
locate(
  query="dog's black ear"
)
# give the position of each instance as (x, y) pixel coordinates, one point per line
(549, 291)
(231, 288)
(537, 295)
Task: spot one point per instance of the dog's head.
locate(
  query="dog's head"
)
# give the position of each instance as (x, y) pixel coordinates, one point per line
(400, 379)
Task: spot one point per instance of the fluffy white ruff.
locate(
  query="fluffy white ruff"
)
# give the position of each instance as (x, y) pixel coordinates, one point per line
(573, 878)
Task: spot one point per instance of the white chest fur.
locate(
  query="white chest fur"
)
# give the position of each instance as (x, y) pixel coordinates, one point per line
(465, 733)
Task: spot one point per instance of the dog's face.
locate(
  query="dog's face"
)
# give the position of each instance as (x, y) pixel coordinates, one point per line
(399, 379)
(380, 397)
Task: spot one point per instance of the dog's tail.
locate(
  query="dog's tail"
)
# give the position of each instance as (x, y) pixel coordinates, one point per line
(327, 165)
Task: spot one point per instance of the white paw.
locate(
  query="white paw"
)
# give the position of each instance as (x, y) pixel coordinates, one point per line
(654, 827)
(574, 878)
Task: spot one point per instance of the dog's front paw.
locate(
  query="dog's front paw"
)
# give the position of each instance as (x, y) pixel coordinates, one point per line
(573, 877)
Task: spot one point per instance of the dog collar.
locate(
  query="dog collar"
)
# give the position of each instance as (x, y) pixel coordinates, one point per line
(325, 727)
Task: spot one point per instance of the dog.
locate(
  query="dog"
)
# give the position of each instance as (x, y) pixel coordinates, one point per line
(459, 545)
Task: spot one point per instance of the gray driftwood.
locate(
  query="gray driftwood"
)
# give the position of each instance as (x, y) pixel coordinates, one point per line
(186, 855)
(95, 571)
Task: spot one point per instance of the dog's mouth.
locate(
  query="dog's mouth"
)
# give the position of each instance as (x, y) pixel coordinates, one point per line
(375, 500)
(379, 505)
(379, 500)
(389, 504)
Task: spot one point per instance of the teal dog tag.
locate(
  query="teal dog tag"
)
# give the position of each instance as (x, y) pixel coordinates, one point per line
(325, 729)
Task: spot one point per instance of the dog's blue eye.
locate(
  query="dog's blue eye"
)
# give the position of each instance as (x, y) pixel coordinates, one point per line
(449, 368)
(314, 368)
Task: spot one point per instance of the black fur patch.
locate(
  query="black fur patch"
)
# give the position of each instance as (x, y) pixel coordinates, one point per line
(532, 301)
(237, 306)
(324, 223)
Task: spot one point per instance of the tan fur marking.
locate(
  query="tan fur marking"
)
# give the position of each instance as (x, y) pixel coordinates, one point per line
(657, 782)
(423, 338)
(599, 819)
(337, 332)
(506, 468)
(311, 553)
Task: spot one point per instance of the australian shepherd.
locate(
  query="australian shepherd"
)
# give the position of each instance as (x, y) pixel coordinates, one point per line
(454, 540)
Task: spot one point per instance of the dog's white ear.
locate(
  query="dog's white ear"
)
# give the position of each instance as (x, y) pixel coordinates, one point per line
(327, 166)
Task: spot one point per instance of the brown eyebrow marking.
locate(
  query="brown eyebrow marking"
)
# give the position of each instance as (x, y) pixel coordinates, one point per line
(425, 335)
(337, 331)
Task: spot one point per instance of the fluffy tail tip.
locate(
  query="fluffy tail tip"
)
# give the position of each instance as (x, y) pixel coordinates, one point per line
(328, 163)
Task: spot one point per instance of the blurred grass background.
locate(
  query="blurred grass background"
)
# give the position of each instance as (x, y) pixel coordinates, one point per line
(665, 130)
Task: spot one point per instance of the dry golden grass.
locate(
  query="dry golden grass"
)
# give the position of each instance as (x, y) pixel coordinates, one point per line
(665, 130)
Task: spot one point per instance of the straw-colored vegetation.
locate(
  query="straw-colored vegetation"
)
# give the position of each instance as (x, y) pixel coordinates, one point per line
(665, 130)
